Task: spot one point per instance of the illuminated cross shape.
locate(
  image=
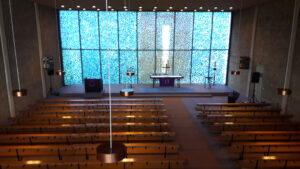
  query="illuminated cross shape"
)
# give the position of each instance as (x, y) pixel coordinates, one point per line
(166, 67)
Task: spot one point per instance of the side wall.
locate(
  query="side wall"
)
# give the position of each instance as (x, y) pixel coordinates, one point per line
(27, 46)
(271, 44)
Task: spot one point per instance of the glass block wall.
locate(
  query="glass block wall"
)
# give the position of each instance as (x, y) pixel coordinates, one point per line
(190, 43)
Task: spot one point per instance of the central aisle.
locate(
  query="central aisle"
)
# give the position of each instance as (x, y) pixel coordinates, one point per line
(193, 145)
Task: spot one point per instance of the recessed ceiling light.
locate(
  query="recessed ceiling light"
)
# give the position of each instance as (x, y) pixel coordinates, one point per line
(155, 7)
(83, 9)
(98, 9)
(70, 9)
(171, 7)
(181, 10)
(62, 6)
(94, 6)
(125, 7)
(185, 7)
(208, 10)
(231, 8)
(109, 7)
(78, 6)
(216, 7)
(200, 7)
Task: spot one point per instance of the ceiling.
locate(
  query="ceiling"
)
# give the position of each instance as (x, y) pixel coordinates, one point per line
(162, 5)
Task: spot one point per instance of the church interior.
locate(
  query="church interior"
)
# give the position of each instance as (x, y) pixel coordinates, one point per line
(148, 84)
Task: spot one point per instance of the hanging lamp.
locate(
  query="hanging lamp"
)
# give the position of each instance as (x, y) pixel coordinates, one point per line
(129, 73)
(18, 92)
(284, 92)
(111, 152)
(59, 72)
(236, 71)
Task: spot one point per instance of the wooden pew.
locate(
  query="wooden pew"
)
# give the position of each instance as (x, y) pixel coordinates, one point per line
(88, 119)
(97, 106)
(265, 148)
(252, 112)
(201, 106)
(91, 112)
(275, 161)
(62, 112)
(114, 100)
(258, 126)
(76, 138)
(129, 163)
(82, 128)
(18, 152)
(244, 118)
(234, 136)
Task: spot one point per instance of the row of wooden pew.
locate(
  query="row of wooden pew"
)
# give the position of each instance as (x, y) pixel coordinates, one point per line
(57, 134)
(254, 135)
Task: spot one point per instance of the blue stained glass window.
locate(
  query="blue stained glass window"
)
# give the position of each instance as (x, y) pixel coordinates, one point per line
(89, 29)
(200, 61)
(128, 60)
(221, 30)
(202, 30)
(127, 33)
(91, 64)
(220, 58)
(193, 41)
(146, 30)
(114, 66)
(112, 28)
(69, 29)
(72, 67)
(146, 66)
(182, 65)
(165, 30)
(183, 30)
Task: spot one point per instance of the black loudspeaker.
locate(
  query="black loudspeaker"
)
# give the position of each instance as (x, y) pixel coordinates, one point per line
(93, 85)
(255, 77)
(50, 69)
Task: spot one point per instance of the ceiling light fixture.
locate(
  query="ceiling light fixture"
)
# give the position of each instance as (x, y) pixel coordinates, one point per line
(181, 10)
(98, 9)
(84, 9)
(170, 7)
(208, 10)
(222, 10)
(78, 6)
(19, 92)
(112, 9)
(125, 7)
(70, 9)
(185, 8)
(195, 10)
(94, 7)
(110, 152)
(59, 72)
(62, 6)
(168, 10)
(109, 7)
(200, 7)
(215, 7)
(155, 7)
(284, 92)
(231, 8)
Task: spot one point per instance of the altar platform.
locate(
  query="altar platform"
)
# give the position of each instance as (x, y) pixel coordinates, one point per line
(146, 90)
